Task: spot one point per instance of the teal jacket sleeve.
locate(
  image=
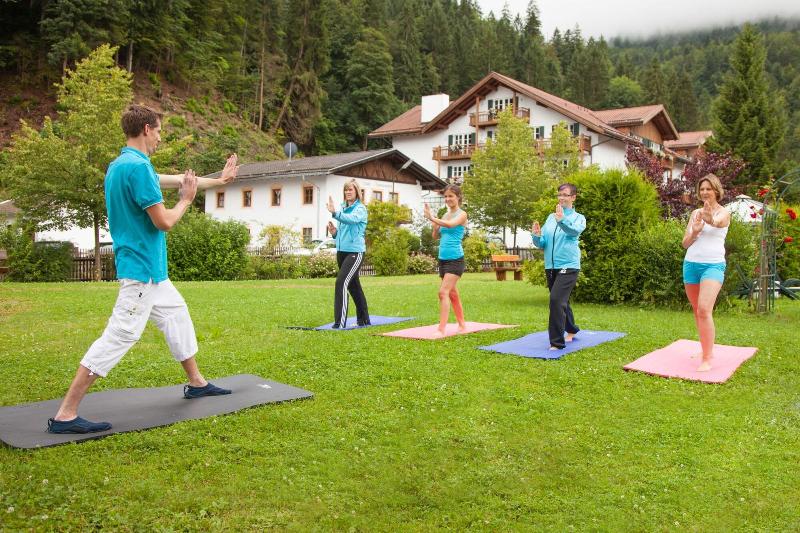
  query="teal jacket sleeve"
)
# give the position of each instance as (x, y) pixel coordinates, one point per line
(358, 215)
(574, 226)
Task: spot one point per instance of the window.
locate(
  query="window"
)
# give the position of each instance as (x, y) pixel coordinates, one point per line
(456, 173)
(221, 200)
(363, 195)
(394, 197)
(308, 195)
(538, 133)
(490, 134)
(276, 197)
(459, 140)
(247, 198)
(575, 129)
(307, 235)
(377, 196)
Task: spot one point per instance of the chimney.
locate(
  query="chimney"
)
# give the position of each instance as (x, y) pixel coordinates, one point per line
(432, 105)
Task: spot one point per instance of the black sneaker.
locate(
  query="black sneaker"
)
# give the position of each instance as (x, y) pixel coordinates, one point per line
(76, 425)
(190, 392)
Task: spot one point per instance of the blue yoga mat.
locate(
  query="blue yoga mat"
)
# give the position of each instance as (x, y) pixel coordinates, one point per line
(375, 320)
(537, 345)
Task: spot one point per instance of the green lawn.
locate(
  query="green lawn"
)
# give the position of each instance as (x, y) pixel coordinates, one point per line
(405, 434)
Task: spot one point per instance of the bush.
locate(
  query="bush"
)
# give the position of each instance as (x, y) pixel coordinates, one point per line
(533, 272)
(740, 249)
(30, 261)
(657, 258)
(421, 264)
(427, 244)
(389, 255)
(618, 206)
(201, 248)
(284, 267)
(476, 250)
(322, 266)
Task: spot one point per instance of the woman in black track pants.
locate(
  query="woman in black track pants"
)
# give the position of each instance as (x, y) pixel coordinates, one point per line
(350, 247)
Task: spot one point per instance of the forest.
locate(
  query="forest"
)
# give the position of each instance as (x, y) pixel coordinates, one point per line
(324, 73)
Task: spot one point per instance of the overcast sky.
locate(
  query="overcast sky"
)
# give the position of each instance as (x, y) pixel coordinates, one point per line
(631, 18)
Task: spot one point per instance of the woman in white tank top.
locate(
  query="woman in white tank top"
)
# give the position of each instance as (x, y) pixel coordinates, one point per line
(704, 263)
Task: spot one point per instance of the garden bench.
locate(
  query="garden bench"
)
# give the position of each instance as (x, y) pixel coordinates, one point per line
(505, 263)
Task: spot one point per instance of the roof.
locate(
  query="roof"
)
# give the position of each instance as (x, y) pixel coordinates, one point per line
(7, 207)
(689, 139)
(636, 116)
(409, 122)
(322, 165)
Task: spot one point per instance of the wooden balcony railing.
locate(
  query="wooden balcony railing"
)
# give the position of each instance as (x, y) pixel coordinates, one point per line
(489, 118)
(456, 151)
(465, 151)
(584, 142)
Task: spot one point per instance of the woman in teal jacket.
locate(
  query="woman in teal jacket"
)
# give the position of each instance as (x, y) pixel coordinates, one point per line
(562, 262)
(350, 248)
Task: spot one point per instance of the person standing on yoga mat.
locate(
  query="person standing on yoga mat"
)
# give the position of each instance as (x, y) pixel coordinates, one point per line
(704, 262)
(559, 238)
(350, 248)
(451, 256)
(137, 220)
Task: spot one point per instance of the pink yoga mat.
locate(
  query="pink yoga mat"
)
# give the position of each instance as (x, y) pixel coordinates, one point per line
(428, 332)
(675, 361)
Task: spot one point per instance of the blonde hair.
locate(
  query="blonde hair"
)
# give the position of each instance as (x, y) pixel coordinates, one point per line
(355, 187)
(715, 184)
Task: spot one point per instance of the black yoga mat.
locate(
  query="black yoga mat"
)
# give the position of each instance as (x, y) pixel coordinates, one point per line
(25, 426)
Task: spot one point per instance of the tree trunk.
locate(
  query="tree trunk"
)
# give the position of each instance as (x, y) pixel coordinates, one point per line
(514, 229)
(130, 56)
(261, 91)
(284, 106)
(97, 276)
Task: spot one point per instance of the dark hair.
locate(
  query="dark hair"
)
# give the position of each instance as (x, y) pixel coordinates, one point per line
(455, 189)
(573, 190)
(136, 117)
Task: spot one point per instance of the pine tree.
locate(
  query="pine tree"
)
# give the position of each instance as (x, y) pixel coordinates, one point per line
(654, 84)
(408, 60)
(531, 62)
(682, 105)
(748, 120)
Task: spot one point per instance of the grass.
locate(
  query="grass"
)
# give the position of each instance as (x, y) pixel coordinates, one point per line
(405, 434)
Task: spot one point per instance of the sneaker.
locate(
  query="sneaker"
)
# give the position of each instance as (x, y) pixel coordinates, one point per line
(76, 425)
(190, 392)
(364, 324)
(335, 326)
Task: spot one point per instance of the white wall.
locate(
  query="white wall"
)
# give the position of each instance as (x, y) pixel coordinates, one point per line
(292, 212)
(81, 237)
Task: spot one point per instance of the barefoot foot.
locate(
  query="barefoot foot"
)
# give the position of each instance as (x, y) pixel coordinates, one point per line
(439, 334)
(705, 366)
(569, 336)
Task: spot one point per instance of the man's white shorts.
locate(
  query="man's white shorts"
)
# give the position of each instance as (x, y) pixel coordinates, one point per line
(136, 303)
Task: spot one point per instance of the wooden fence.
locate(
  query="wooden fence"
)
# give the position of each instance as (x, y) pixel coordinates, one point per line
(83, 265)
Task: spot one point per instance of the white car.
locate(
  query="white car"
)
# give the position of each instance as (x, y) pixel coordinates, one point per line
(325, 246)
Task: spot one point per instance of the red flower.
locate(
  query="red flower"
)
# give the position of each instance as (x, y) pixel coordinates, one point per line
(762, 192)
(761, 211)
(788, 239)
(753, 215)
(791, 213)
(752, 208)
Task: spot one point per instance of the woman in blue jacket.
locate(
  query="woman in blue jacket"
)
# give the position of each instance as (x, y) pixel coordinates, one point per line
(350, 248)
(562, 262)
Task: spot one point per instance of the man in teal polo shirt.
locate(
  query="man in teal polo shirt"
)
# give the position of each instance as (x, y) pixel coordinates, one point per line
(137, 220)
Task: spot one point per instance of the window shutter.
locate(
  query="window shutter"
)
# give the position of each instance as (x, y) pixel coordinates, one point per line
(490, 104)
(449, 140)
(449, 172)
(471, 138)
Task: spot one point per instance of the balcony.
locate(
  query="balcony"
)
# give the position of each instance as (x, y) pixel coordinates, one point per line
(456, 151)
(584, 142)
(465, 151)
(489, 118)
